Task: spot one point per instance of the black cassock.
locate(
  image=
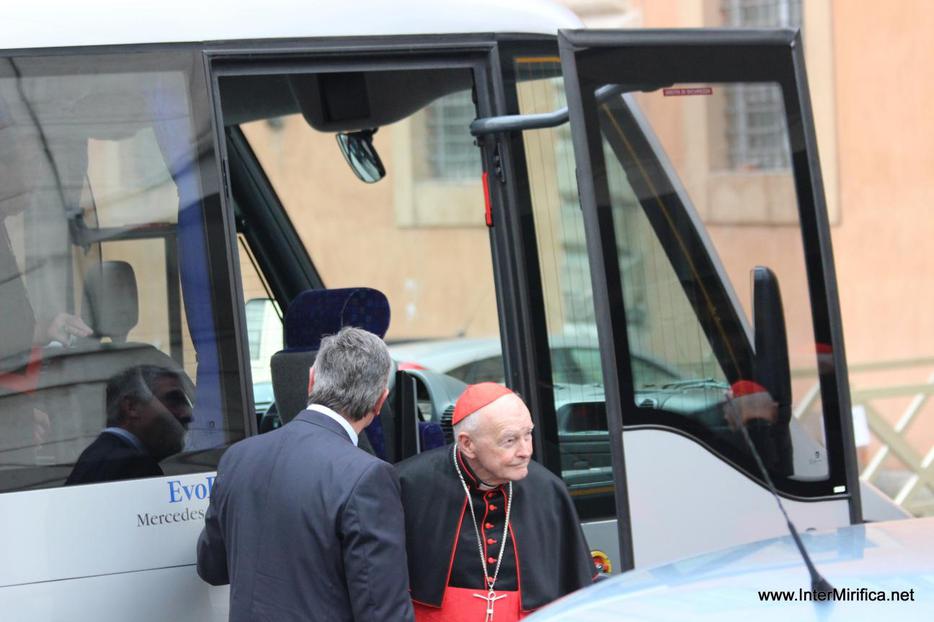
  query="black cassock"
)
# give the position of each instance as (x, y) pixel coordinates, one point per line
(550, 550)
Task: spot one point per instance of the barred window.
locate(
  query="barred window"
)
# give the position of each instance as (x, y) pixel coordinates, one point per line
(450, 152)
(762, 13)
(756, 132)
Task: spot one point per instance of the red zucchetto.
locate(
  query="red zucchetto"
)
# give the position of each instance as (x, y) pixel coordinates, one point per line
(475, 397)
(746, 387)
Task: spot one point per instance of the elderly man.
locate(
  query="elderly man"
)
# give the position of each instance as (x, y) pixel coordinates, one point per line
(148, 412)
(488, 531)
(302, 523)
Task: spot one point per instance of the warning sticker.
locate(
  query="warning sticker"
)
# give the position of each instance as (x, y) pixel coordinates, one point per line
(695, 90)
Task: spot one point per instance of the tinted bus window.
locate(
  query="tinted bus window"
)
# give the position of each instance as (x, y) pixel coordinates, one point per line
(682, 369)
(104, 275)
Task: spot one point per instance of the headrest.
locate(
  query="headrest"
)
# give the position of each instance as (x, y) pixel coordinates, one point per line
(316, 313)
(290, 382)
(111, 300)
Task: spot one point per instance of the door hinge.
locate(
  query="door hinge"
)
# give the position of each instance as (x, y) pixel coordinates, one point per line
(498, 169)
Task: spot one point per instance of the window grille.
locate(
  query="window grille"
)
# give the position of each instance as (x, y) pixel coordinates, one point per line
(451, 152)
(756, 130)
(762, 13)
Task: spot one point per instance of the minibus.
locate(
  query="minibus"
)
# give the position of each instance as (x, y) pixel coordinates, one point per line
(634, 220)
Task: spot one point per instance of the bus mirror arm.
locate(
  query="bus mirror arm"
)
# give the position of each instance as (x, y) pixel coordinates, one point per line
(521, 122)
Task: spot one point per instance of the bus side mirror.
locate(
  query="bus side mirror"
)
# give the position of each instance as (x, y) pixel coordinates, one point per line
(772, 369)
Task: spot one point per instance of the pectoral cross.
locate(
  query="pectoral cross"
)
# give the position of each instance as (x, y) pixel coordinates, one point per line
(490, 598)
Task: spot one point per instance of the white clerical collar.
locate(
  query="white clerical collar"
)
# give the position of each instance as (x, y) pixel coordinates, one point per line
(324, 410)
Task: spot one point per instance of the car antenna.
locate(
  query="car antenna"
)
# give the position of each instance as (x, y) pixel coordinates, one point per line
(819, 585)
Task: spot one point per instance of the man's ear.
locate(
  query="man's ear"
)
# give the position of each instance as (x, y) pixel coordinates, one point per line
(467, 446)
(311, 378)
(380, 402)
(129, 406)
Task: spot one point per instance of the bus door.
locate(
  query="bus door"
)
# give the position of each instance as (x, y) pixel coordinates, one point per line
(681, 244)
(309, 218)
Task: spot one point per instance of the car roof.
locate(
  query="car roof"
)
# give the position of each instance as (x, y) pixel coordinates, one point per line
(446, 354)
(443, 355)
(725, 585)
(53, 23)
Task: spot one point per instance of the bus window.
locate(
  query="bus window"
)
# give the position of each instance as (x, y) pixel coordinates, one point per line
(682, 364)
(263, 326)
(104, 270)
(264, 334)
(418, 235)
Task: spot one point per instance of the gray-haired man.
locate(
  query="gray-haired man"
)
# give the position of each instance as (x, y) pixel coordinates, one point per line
(302, 523)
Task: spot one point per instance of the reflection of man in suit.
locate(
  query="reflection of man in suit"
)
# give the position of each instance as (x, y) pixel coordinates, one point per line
(148, 413)
(302, 523)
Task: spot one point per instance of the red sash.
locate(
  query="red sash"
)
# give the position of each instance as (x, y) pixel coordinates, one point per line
(460, 605)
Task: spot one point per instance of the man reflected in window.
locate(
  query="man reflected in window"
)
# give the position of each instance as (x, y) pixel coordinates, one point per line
(148, 413)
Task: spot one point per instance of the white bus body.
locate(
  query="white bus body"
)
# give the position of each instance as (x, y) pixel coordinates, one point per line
(146, 136)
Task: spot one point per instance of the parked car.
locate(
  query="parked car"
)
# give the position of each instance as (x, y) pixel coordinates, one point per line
(574, 361)
(578, 391)
(879, 569)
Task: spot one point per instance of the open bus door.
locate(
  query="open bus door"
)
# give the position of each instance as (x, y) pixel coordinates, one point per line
(672, 216)
(660, 291)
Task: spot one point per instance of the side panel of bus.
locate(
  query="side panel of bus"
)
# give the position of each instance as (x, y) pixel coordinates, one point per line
(116, 304)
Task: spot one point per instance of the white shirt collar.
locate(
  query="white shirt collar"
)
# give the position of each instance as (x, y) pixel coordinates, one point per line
(324, 410)
(126, 434)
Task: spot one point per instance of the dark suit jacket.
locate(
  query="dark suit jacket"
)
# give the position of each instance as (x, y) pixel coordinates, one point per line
(305, 526)
(110, 458)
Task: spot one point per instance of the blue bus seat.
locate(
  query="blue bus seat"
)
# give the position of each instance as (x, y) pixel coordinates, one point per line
(312, 315)
(430, 434)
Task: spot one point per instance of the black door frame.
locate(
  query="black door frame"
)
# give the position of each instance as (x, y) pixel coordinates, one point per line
(662, 57)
